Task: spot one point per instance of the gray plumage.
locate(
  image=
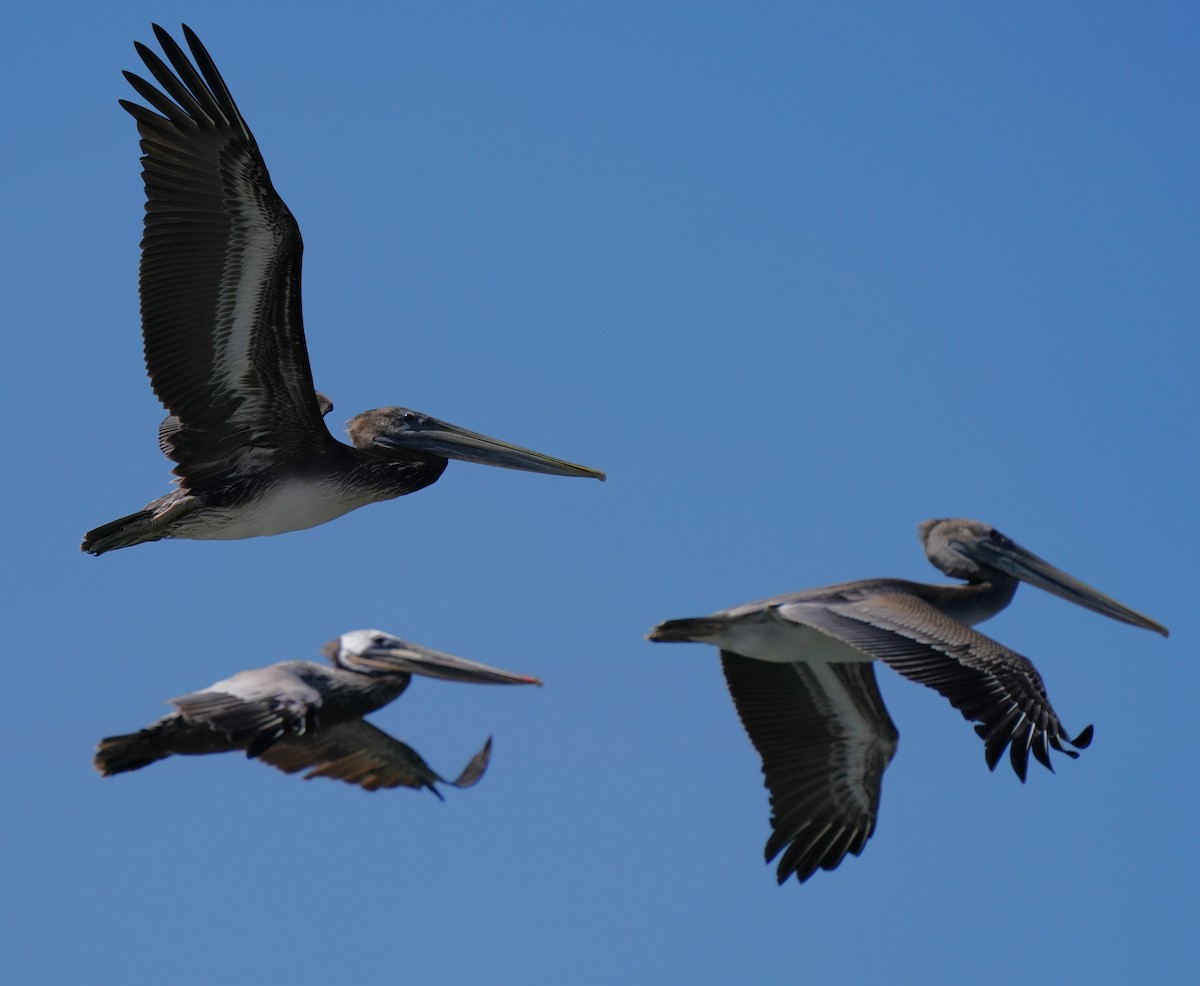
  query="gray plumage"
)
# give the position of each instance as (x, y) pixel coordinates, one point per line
(798, 669)
(303, 716)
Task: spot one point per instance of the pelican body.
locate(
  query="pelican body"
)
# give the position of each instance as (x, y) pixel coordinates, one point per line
(800, 671)
(224, 341)
(300, 715)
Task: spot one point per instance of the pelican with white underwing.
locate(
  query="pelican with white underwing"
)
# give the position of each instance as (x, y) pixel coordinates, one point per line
(799, 669)
(303, 716)
(224, 341)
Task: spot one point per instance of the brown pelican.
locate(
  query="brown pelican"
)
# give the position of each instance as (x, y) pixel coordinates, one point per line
(799, 669)
(299, 715)
(224, 341)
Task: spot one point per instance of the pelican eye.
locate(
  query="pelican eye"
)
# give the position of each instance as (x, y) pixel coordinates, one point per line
(380, 641)
(416, 420)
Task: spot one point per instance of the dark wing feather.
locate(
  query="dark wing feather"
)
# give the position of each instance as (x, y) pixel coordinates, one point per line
(358, 753)
(988, 683)
(220, 277)
(170, 426)
(825, 738)
(228, 713)
(256, 721)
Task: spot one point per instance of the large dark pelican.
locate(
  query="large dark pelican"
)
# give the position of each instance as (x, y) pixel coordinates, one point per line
(224, 342)
(799, 670)
(299, 715)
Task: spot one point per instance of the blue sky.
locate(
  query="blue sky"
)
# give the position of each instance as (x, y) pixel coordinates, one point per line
(797, 279)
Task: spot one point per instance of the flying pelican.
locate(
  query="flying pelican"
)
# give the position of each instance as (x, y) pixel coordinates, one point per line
(224, 342)
(300, 715)
(799, 669)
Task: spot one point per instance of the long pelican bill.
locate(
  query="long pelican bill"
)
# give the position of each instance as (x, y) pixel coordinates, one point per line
(399, 655)
(420, 433)
(1010, 557)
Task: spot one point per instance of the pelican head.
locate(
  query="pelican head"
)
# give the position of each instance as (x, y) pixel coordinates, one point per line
(398, 429)
(971, 550)
(375, 652)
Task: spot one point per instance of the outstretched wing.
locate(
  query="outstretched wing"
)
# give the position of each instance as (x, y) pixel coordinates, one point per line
(358, 753)
(988, 683)
(220, 276)
(825, 739)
